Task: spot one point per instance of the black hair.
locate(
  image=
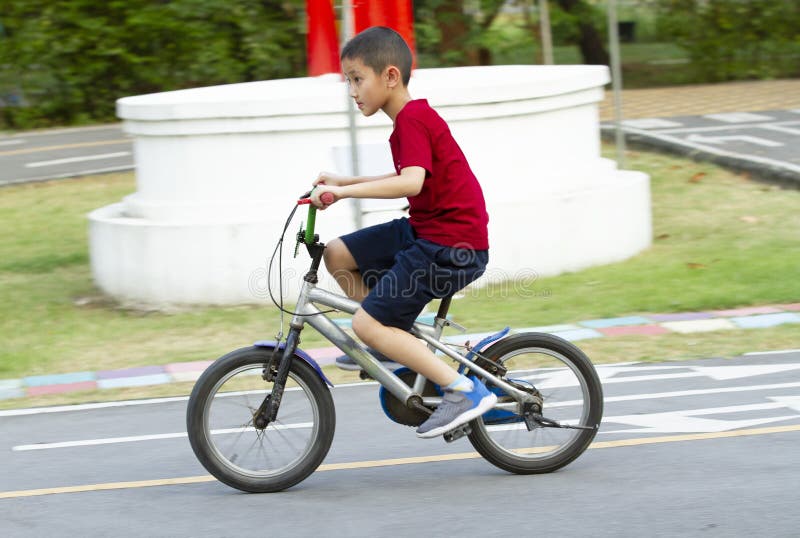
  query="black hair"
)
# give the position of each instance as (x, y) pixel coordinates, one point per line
(379, 47)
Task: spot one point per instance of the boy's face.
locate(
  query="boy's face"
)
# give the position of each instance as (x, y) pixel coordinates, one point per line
(368, 88)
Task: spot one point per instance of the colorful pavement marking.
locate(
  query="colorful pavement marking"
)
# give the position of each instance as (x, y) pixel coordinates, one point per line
(61, 388)
(579, 334)
(58, 379)
(644, 330)
(766, 320)
(746, 311)
(646, 325)
(698, 326)
(615, 322)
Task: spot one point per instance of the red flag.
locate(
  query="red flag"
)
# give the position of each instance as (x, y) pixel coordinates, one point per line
(322, 43)
(396, 14)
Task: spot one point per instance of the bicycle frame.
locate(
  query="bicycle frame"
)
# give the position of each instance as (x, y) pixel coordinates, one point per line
(307, 312)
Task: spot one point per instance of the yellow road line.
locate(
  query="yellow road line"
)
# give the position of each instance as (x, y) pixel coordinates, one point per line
(399, 461)
(66, 146)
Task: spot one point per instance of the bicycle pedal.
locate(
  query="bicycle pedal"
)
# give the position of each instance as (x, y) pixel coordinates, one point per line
(457, 433)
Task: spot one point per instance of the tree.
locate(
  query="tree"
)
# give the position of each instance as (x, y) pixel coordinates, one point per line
(74, 58)
(590, 41)
(451, 29)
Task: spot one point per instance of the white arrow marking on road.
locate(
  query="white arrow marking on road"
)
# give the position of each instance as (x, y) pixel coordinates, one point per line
(792, 402)
(566, 378)
(743, 138)
(78, 159)
(724, 373)
(780, 129)
(688, 421)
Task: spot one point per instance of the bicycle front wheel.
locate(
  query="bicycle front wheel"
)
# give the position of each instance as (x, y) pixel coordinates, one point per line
(571, 394)
(220, 418)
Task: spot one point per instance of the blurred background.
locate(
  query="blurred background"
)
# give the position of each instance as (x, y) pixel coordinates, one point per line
(65, 62)
(720, 241)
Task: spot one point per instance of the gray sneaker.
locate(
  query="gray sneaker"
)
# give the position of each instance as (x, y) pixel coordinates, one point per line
(457, 408)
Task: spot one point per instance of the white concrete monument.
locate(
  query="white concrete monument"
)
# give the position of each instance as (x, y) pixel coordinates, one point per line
(218, 170)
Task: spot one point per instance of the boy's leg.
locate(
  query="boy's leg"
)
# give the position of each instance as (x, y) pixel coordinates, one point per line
(340, 263)
(357, 260)
(403, 347)
(422, 272)
(464, 399)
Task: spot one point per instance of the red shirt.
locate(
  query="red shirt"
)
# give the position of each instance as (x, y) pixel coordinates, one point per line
(450, 209)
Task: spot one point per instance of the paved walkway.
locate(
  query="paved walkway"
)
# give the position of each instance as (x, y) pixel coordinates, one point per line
(646, 325)
(705, 99)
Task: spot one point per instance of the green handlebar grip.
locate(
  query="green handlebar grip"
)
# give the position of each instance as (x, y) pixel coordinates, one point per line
(312, 217)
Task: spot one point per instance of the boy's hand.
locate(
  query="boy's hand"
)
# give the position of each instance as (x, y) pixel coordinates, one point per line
(329, 178)
(323, 189)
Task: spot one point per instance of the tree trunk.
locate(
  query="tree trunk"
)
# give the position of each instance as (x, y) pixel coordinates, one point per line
(590, 42)
(454, 26)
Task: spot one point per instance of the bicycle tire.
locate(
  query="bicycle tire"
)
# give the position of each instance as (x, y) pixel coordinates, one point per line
(202, 415)
(526, 457)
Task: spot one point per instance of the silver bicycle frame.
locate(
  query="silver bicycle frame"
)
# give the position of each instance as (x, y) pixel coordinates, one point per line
(307, 312)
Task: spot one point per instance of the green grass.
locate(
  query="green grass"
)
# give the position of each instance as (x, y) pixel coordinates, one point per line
(721, 241)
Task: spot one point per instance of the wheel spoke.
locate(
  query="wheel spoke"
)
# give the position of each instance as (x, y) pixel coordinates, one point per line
(273, 451)
(564, 379)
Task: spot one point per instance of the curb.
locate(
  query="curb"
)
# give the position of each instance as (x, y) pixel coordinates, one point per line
(645, 325)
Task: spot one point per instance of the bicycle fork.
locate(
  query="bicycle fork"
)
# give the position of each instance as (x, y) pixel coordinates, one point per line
(267, 412)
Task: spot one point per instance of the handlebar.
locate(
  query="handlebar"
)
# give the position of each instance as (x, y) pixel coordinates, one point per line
(327, 198)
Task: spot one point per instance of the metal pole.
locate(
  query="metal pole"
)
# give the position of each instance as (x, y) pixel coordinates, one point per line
(547, 38)
(347, 34)
(616, 80)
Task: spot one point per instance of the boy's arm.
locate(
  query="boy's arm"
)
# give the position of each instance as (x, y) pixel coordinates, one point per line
(408, 183)
(329, 178)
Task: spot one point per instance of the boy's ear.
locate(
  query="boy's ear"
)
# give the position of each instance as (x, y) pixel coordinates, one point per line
(392, 76)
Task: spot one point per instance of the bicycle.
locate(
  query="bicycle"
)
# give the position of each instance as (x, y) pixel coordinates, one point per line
(262, 419)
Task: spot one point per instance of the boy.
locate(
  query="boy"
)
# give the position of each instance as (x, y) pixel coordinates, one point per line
(396, 268)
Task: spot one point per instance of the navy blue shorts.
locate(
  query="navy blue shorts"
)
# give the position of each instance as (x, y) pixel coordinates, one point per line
(405, 273)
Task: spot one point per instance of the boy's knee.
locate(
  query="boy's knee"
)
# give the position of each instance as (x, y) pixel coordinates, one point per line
(337, 257)
(365, 326)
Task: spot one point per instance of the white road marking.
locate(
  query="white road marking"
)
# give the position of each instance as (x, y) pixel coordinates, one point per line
(792, 402)
(724, 128)
(737, 117)
(715, 150)
(566, 378)
(68, 130)
(154, 437)
(88, 407)
(681, 393)
(688, 421)
(78, 159)
(11, 142)
(779, 352)
(724, 373)
(605, 372)
(781, 128)
(651, 123)
(734, 138)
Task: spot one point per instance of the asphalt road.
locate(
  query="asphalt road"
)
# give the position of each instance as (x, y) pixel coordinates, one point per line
(765, 143)
(58, 153)
(700, 448)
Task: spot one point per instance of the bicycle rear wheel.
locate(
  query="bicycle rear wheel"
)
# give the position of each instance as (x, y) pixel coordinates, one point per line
(220, 423)
(571, 393)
